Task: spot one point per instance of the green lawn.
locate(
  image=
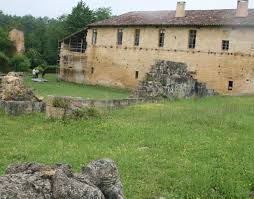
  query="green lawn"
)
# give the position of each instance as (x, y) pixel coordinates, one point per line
(60, 88)
(200, 148)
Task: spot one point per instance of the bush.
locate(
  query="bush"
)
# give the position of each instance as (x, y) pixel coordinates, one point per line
(20, 63)
(6, 46)
(61, 103)
(86, 113)
(35, 58)
(4, 63)
(52, 69)
(41, 68)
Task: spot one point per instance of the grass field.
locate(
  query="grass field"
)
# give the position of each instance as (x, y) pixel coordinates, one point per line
(200, 148)
(60, 88)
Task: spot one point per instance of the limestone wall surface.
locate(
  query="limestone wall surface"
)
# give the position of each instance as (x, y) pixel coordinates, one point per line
(113, 65)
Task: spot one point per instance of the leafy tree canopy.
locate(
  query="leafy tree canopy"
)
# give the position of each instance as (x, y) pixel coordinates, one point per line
(42, 34)
(4, 63)
(20, 63)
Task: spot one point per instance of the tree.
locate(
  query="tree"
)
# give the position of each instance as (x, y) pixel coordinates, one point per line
(55, 32)
(20, 63)
(42, 34)
(80, 17)
(35, 58)
(102, 13)
(4, 63)
(6, 46)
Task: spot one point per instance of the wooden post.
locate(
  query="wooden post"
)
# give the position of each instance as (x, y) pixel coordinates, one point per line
(81, 49)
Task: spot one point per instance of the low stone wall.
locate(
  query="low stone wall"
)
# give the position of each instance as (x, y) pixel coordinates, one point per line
(59, 107)
(21, 107)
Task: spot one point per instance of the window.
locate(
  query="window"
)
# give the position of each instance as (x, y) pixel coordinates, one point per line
(92, 70)
(136, 74)
(161, 38)
(225, 45)
(120, 36)
(94, 37)
(230, 85)
(192, 39)
(137, 37)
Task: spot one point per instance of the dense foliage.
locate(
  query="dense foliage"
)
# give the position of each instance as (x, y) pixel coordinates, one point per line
(42, 34)
(20, 63)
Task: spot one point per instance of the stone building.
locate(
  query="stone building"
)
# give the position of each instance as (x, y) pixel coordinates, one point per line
(216, 45)
(18, 38)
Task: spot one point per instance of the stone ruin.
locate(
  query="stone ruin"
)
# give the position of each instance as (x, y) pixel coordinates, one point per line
(16, 98)
(18, 38)
(98, 180)
(12, 88)
(171, 80)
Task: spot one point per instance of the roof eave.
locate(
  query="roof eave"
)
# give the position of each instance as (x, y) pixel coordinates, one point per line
(171, 25)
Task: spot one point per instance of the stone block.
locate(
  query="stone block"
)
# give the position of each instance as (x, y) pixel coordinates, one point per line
(21, 107)
(54, 110)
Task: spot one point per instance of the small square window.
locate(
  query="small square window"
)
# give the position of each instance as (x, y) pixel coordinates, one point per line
(136, 74)
(225, 45)
(230, 85)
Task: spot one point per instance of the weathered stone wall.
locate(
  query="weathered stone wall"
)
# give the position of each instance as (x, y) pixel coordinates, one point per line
(72, 63)
(171, 80)
(16, 108)
(16, 98)
(115, 65)
(98, 180)
(60, 107)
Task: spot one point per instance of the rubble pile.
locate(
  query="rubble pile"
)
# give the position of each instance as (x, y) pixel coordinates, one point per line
(12, 88)
(98, 180)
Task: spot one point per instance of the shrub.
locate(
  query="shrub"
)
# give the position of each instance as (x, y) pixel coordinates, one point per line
(41, 68)
(20, 63)
(6, 45)
(60, 103)
(149, 77)
(35, 58)
(86, 113)
(4, 63)
(52, 69)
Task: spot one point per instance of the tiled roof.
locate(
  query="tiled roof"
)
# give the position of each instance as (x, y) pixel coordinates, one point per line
(226, 17)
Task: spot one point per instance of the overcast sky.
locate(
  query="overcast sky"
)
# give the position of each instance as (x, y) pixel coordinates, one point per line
(54, 8)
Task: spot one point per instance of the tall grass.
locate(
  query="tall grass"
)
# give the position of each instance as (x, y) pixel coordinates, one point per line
(200, 148)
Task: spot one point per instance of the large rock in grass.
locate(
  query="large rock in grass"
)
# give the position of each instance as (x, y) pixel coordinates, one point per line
(98, 180)
(12, 88)
(104, 174)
